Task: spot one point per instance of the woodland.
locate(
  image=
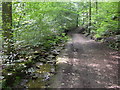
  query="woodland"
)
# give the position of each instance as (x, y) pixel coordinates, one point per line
(32, 35)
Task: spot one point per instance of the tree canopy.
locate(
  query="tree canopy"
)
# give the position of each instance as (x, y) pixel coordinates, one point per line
(32, 30)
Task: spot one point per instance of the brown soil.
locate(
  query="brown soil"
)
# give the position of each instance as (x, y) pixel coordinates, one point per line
(85, 63)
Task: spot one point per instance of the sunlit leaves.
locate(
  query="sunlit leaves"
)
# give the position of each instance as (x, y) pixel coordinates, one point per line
(37, 21)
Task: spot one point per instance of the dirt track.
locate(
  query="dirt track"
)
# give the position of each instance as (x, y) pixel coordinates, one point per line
(85, 63)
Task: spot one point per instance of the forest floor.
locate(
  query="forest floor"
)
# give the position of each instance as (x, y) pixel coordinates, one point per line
(0, 54)
(85, 63)
(0, 61)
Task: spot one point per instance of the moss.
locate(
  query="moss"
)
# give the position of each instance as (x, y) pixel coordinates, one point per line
(44, 68)
(38, 83)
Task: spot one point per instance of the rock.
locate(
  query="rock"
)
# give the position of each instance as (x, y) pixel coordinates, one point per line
(99, 38)
(51, 56)
(2, 77)
(86, 34)
(110, 39)
(31, 70)
(118, 38)
(55, 52)
(23, 82)
(43, 60)
(51, 62)
(19, 61)
(36, 53)
(38, 64)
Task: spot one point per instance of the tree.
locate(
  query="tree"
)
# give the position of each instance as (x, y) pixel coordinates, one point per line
(89, 21)
(7, 28)
(96, 5)
(119, 44)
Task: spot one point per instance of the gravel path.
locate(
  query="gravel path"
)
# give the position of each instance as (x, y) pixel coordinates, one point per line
(85, 63)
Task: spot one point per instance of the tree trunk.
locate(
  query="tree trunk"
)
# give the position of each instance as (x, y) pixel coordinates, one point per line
(96, 6)
(89, 29)
(118, 46)
(7, 28)
(83, 20)
(77, 20)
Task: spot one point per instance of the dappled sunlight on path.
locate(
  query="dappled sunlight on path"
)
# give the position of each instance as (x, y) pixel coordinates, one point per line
(86, 64)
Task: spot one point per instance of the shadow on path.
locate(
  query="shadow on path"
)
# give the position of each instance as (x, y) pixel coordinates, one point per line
(87, 64)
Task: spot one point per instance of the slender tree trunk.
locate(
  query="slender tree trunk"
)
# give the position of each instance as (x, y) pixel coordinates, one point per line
(77, 15)
(77, 20)
(84, 15)
(119, 43)
(89, 29)
(96, 6)
(87, 19)
(83, 20)
(7, 28)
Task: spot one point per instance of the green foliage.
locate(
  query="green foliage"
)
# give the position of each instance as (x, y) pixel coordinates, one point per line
(0, 21)
(104, 19)
(40, 24)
